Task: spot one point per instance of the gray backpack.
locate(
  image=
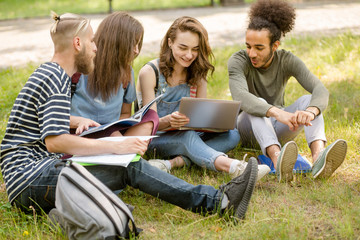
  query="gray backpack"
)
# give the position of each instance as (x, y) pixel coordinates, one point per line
(87, 209)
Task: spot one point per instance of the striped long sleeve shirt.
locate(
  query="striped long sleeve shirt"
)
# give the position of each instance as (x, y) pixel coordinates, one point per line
(41, 109)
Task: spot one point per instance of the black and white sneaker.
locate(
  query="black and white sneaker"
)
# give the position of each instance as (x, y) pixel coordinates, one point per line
(239, 190)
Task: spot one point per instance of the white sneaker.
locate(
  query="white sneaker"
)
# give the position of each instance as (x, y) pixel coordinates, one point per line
(263, 169)
(240, 168)
(160, 164)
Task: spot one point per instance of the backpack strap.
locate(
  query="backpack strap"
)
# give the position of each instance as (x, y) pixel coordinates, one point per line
(74, 80)
(156, 74)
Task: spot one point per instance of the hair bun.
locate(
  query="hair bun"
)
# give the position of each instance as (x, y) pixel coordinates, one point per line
(279, 12)
(55, 16)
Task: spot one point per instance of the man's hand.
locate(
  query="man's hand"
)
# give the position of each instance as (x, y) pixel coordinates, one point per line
(75, 145)
(304, 118)
(128, 146)
(284, 117)
(178, 120)
(82, 124)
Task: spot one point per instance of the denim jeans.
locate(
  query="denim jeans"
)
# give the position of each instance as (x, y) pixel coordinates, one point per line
(140, 175)
(268, 131)
(200, 147)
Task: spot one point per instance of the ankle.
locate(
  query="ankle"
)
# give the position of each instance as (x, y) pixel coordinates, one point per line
(177, 162)
(233, 165)
(273, 153)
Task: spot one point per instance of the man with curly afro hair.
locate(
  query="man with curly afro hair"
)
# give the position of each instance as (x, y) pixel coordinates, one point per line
(258, 77)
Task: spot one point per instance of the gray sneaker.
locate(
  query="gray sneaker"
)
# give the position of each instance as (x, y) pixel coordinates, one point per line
(286, 162)
(240, 189)
(330, 159)
(160, 164)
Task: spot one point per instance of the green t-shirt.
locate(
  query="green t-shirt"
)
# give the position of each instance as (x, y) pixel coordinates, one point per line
(248, 84)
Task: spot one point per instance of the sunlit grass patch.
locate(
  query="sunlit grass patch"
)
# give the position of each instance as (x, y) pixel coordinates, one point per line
(304, 209)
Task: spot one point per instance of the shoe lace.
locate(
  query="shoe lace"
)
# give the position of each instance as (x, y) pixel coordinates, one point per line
(242, 165)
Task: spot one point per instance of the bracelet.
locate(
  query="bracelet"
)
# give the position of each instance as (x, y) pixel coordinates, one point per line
(312, 113)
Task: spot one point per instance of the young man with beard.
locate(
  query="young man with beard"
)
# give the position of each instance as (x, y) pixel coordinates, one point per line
(37, 136)
(257, 78)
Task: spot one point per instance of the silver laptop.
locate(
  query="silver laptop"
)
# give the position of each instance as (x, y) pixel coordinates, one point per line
(210, 113)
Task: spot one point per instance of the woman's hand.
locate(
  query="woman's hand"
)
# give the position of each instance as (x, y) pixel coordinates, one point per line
(178, 120)
(82, 124)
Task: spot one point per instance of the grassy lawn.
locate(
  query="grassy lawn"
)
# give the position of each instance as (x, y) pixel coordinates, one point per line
(10, 9)
(37, 8)
(304, 209)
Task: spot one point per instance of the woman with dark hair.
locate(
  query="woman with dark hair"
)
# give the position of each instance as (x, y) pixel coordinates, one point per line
(183, 66)
(258, 76)
(106, 94)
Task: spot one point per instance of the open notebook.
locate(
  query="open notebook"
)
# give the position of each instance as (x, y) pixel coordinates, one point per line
(209, 114)
(111, 159)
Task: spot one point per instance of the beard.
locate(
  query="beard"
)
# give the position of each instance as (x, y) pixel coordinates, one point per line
(268, 58)
(84, 62)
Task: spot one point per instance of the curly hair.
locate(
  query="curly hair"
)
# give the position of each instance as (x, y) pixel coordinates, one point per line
(277, 16)
(199, 68)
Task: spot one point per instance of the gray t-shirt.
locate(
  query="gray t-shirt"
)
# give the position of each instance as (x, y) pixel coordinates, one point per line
(248, 84)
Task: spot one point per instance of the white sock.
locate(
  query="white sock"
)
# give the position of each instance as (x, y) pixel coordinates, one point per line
(168, 164)
(224, 202)
(233, 166)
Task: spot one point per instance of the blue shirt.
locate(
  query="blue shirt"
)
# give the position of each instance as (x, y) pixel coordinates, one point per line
(103, 112)
(41, 109)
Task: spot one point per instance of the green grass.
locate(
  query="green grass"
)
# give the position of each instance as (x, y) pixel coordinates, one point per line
(10, 9)
(36, 8)
(305, 209)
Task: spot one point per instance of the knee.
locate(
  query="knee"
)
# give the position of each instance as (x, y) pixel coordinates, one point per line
(186, 139)
(242, 119)
(245, 119)
(304, 101)
(188, 136)
(153, 118)
(148, 127)
(234, 136)
(305, 98)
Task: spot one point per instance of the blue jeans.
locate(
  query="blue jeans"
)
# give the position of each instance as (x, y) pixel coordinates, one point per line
(200, 147)
(140, 175)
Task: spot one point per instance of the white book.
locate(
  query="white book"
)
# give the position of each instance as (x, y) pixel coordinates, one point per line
(111, 159)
